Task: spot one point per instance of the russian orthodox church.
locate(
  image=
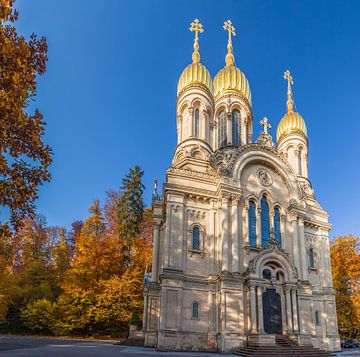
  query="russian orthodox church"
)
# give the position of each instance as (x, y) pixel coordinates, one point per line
(241, 245)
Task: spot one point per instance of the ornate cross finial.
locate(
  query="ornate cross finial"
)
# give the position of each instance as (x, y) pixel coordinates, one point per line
(290, 101)
(228, 26)
(196, 27)
(265, 124)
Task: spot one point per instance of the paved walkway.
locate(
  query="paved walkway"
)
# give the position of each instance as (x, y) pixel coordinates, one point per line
(15, 346)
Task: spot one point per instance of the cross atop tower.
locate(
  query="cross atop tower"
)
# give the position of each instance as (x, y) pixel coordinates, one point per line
(290, 101)
(196, 27)
(228, 26)
(265, 124)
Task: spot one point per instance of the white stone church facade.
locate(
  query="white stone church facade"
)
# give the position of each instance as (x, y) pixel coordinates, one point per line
(241, 245)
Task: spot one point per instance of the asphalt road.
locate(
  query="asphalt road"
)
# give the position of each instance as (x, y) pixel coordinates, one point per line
(14, 346)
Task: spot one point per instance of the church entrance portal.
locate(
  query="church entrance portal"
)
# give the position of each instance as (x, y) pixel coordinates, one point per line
(272, 312)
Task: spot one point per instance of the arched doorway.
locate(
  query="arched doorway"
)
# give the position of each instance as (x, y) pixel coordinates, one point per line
(272, 312)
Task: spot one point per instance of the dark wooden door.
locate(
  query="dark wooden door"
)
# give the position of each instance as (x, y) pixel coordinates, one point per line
(272, 311)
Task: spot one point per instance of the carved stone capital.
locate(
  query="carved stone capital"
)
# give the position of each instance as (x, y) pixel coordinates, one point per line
(235, 199)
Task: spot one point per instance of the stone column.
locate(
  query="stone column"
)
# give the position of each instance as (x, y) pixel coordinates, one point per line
(224, 233)
(235, 232)
(295, 310)
(258, 227)
(283, 231)
(229, 129)
(246, 225)
(271, 218)
(303, 252)
(145, 312)
(203, 126)
(180, 128)
(295, 242)
(243, 130)
(253, 308)
(260, 310)
(191, 121)
(155, 255)
(288, 310)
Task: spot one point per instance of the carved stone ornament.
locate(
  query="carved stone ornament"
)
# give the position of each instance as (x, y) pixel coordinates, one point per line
(264, 177)
(272, 242)
(265, 140)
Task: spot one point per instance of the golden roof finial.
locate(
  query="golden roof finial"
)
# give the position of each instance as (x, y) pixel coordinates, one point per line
(196, 27)
(229, 59)
(290, 101)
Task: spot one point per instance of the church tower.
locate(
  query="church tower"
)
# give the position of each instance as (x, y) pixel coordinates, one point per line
(241, 252)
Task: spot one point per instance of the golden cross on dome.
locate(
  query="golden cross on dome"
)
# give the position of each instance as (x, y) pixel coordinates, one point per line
(265, 123)
(228, 26)
(290, 101)
(196, 27)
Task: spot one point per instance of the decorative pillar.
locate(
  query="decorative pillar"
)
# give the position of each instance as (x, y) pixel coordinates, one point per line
(191, 119)
(224, 233)
(243, 130)
(271, 218)
(246, 225)
(283, 231)
(253, 308)
(155, 255)
(288, 310)
(295, 242)
(180, 127)
(203, 126)
(303, 253)
(258, 227)
(295, 310)
(235, 232)
(145, 312)
(260, 310)
(229, 129)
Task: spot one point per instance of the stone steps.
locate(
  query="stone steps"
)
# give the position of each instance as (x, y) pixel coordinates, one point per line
(284, 348)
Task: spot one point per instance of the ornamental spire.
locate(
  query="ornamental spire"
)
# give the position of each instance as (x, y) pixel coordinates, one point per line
(290, 101)
(196, 27)
(229, 58)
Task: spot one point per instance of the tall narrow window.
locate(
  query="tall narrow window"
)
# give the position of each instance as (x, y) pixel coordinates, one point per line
(252, 224)
(277, 228)
(317, 318)
(222, 131)
(196, 238)
(236, 127)
(265, 223)
(195, 310)
(197, 123)
(311, 258)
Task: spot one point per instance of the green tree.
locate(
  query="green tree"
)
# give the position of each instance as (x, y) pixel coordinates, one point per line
(24, 158)
(130, 209)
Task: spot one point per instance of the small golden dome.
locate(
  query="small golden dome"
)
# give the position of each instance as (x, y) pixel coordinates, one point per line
(230, 78)
(195, 74)
(291, 122)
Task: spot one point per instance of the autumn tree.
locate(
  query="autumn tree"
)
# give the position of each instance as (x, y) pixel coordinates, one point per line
(345, 263)
(24, 158)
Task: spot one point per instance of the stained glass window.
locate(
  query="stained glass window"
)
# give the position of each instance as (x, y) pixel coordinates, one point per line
(197, 123)
(277, 228)
(195, 310)
(222, 130)
(266, 274)
(196, 238)
(252, 224)
(265, 223)
(236, 127)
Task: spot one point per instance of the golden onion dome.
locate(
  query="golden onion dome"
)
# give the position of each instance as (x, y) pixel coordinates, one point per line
(291, 122)
(195, 73)
(230, 78)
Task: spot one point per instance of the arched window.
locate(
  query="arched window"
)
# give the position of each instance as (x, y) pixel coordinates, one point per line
(252, 224)
(277, 228)
(222, 130)
(266, 274)
(195, 310)
(196, 238)
(311, 258)
(197, 123)
(236, 127)
(265, 223)
(317, 318)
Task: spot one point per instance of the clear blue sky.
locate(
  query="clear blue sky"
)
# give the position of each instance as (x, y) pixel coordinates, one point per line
(109, 92)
